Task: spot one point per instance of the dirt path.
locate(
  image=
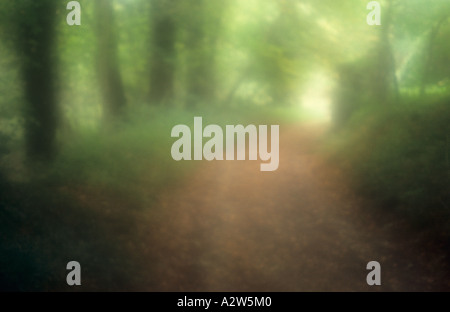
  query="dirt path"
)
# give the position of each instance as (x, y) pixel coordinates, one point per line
(231, 227)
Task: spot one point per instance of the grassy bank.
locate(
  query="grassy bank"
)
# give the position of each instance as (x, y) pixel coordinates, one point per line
(399, 157)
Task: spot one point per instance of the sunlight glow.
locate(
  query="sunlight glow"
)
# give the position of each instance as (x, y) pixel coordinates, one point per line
(315, 100)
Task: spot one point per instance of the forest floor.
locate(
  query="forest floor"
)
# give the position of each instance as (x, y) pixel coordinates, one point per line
(225, 227)
(231, 227)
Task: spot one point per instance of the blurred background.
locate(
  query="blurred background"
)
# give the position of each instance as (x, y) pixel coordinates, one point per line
(86, 172)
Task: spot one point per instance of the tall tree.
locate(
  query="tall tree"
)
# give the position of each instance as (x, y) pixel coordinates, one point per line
(34, 24)
(202, 26)
(385, 87)
(429, 51)
(110, 79)
(283, 53)
(162, 73)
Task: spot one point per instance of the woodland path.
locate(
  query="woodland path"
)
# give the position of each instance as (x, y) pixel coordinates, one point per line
(231, 227)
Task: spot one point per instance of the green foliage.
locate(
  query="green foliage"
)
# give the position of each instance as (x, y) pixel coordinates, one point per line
(135, 152)
(399, 156)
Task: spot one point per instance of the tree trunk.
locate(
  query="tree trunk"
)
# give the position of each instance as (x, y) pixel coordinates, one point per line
(201, 44)
(36, 46)
(429, 54)
(110, 80)
(385, 84)
(163, 45)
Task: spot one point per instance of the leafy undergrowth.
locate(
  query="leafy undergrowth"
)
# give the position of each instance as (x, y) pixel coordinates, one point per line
(399, 157)
(137, 150)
